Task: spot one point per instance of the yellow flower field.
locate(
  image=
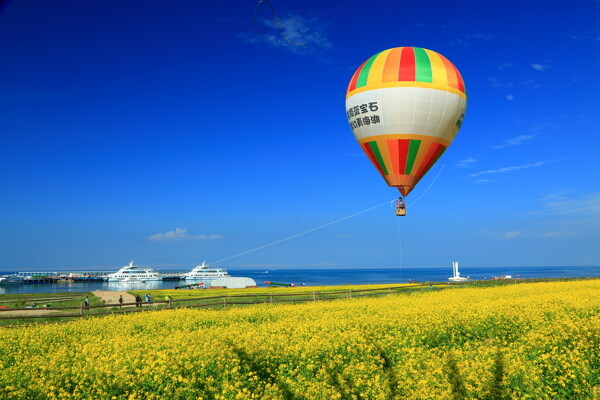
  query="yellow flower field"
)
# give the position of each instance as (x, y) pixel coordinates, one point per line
(525, 341)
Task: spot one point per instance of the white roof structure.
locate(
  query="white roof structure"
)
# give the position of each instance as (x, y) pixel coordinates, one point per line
(233, 283)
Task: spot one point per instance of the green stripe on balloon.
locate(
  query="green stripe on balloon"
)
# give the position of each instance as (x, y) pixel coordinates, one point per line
(377, 154)
(423, 65)
(364, 74)
(413, 150)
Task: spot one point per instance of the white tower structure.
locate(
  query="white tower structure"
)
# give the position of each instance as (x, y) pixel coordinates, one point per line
(455, 274)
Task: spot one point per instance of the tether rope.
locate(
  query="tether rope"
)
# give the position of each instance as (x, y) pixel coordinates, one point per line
(333, 222)
(303, 233)
(428, 187)
(401, 250)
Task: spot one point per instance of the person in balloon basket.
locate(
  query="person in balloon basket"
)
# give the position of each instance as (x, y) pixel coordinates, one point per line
(400, 206)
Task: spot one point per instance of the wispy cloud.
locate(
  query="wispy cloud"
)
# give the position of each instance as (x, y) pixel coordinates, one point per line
(514, 141)
(510, 235)
(481, 36)
(510, 97)
(592, 37)
(561, 204)
(531, 84)
(511, 169)
(558, 234)
(465, 39)
(544, 126)
(505, 66)
(551, 234)
(181, 234)
(466, 162)
(539, 67)
(494, 82)
(310, 33)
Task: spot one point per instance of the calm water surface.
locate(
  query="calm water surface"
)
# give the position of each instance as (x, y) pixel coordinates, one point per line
(322, 276)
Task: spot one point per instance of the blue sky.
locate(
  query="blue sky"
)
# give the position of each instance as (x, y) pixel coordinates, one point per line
(175, 132)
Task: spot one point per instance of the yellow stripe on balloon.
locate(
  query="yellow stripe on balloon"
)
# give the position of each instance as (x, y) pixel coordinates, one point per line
(438, 86)
(385, 154)
(421, 155)
(376, 71)
(438, 70)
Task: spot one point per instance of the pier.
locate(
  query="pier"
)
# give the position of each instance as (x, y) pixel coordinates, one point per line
(68, 277)
(39, 277)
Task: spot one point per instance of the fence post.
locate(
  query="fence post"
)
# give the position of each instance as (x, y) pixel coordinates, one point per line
(225, 301)
(314, 297)
(81, 308)
(270, 298)
(350, 293)
(169, 302)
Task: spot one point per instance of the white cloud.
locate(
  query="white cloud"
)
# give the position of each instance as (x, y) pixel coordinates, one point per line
(531, 83)
(180, 234)
(466, 163)
(505, 66)
(586, 37)
(494, 82)
(482, 36)
(510, 97)
(544, 126)
(512, 234)
(514, 141)
(554, 234)
(308, 33)
(560, 204)
(465, 39)
(551, 234)
(511, 169)
(539, 67)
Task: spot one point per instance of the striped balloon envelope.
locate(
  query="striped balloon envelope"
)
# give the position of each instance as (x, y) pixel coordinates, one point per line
(405, 106)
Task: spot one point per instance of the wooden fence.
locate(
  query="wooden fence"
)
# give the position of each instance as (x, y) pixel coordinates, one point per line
(221, 301)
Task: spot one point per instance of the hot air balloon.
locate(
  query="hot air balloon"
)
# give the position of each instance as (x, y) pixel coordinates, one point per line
(405, 106)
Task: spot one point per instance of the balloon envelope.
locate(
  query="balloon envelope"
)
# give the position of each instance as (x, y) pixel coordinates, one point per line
(405, 106)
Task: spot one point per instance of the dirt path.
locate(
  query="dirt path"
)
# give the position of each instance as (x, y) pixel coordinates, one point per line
(28, 312)
(112, 297)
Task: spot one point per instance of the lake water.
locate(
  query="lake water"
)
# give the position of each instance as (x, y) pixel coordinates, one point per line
(322, 277)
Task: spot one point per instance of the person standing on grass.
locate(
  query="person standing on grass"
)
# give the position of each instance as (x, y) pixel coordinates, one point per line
(86, 302)
(120, 301)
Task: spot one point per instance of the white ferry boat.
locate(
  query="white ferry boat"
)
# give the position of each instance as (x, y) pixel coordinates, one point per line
(205, 274)
(133, 273)
(8, 279)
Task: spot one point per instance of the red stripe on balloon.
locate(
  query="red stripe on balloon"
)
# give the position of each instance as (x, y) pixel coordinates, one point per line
(461, 83)
(430, 157)
(407, 65)
(398, 149)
